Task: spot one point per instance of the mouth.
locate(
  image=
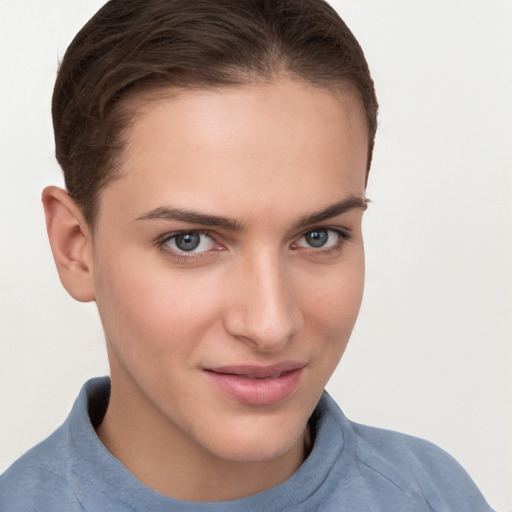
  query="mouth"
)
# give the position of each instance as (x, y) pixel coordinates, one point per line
(257, 385)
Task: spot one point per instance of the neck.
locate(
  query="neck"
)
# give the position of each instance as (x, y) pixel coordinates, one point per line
(167, 460)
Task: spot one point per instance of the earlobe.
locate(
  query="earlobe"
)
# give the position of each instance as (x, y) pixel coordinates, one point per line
(71, 243)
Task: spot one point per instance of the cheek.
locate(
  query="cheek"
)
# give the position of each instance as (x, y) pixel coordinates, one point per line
(334, 299)
(149, 309)
(331, 310)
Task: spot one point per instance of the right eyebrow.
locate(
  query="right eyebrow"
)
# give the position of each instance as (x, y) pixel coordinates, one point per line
(192, 217)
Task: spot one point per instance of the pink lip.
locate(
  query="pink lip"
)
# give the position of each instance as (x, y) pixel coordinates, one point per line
(257, 385)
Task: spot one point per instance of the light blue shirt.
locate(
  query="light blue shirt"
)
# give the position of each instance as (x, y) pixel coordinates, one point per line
(351, 468)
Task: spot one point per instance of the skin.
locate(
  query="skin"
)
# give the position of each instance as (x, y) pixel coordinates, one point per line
(266, 157)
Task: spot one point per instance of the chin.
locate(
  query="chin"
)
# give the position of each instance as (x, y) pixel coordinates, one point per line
(267, 443)
(258, 451)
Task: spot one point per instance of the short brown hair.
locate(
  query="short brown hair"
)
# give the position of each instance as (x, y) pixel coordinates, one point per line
(131, 45)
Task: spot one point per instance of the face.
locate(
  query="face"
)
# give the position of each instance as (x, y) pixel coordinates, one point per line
(228, 262)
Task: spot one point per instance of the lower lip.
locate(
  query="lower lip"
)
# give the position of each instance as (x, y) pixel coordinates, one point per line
(257, 391)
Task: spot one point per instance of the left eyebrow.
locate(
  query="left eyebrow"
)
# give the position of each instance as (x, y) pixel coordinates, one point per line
(349, 203)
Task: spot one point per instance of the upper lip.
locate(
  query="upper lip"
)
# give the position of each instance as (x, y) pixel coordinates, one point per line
(258, 371)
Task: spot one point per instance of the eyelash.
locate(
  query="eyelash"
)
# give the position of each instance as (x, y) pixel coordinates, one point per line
(343, 237)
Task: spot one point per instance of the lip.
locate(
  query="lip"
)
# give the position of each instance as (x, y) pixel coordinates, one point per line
(257, 385)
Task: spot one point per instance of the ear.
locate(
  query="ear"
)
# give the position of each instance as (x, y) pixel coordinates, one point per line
(71, 243)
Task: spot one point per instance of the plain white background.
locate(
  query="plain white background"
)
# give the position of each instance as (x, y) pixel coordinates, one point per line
(431, 354)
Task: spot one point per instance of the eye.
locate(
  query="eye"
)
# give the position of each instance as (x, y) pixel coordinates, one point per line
(321, 239)
(189, 241)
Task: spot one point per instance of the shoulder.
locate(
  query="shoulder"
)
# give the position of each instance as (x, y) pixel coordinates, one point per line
(379, 447)
(37, 481)
(419, 466)
(50, 475)
(395, 468)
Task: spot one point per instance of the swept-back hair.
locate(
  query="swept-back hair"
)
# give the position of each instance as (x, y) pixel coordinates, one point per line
(130, 46)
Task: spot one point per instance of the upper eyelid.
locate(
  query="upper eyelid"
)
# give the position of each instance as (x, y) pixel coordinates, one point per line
(211, 233)
(345, 232)
(172, 234)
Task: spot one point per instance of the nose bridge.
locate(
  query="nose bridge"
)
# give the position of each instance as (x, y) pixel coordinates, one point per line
(265, 309)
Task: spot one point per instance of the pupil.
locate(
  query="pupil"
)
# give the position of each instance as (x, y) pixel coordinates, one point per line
(188, 241)
(317, 238)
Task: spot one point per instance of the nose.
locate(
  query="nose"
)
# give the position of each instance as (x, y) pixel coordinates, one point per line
(264, 308)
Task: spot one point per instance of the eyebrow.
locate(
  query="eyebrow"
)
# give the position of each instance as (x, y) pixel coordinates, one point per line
(343, 206)
(192, 217)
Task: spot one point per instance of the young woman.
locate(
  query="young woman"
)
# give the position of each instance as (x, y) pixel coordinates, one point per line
(216, 156)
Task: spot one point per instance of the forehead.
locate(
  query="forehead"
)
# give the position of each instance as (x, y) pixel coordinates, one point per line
(249, 143)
